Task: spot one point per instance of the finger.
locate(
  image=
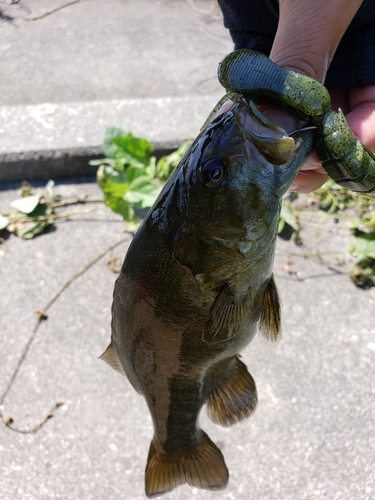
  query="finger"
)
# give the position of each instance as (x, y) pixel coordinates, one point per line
(308, 181)
(312, 162)
(361, 118)
(340, 99)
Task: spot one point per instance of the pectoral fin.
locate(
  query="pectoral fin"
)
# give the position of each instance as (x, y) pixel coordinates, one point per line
(270, 317)
(227, 316)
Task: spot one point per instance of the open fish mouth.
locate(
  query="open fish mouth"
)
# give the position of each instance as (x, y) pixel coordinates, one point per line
(272, 141)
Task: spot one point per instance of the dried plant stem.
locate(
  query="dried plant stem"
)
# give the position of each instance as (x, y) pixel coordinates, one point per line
(49, 12)
(42, 315)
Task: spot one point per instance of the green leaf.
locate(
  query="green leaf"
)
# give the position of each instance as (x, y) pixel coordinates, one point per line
(288, 216)
(135, 151)
(167, 164)
(30, 227)
(150, 170)
(364, 245)
(142, 192)
(110, 134)
(4, 221)
(26, 205)
(112, 182)
(120, 206)
(103, 161)
(123, 208)
(281, 225)
(126, 148)
(49, 188)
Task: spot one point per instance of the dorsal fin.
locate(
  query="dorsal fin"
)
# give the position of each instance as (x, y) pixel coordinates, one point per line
(110, 357)
(227, 316)
(270, 316)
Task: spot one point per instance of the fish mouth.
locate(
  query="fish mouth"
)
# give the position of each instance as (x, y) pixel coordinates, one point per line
(272, 141)
(280, 155)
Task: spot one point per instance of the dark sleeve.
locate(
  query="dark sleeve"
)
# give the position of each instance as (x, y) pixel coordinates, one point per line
(253, 24)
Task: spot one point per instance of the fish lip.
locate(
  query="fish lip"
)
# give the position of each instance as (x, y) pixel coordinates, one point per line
(271, 140)
(293, 157)
(241, 106)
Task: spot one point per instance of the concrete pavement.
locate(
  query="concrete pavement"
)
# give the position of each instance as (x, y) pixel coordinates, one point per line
(143, 65)
(312, 436)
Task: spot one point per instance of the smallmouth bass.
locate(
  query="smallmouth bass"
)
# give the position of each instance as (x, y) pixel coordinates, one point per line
(195, 286)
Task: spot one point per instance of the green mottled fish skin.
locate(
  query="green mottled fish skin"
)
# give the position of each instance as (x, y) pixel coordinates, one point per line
(196, 281)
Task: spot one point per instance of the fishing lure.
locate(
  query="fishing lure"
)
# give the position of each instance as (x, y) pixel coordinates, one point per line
(346, 160)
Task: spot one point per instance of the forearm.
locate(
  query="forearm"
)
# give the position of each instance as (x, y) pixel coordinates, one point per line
(310, 50)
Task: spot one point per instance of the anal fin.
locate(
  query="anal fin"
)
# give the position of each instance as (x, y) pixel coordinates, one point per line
(235, 398)
(270, 317)
(201, 466)
(110, 357)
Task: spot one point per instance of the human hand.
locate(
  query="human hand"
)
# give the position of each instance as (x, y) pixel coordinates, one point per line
(306, 41)
(358, 105)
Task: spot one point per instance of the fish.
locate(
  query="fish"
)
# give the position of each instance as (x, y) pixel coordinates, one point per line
(197, 284)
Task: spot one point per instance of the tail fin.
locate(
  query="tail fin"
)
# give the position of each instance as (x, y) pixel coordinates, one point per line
(201, 466)
(235, 398)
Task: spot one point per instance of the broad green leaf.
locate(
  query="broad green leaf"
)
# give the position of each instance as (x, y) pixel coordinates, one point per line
(135, 151)
(288, 216)
(364, 245)
(112, 182)
(31, 227)
(124, 146)
(119, 206)
(142, 192)
(26, 205)
(4, 221)
(110, 134)
(150, 170)
(29, 230)
(167, 164)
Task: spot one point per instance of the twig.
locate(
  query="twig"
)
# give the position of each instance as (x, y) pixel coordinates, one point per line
(75, 201)
(42, 315)
(328, 215)
(48, 12)
(63, 215)
(8, 422)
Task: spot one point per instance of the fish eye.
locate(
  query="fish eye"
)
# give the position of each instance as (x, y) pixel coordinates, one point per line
(213, 172)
